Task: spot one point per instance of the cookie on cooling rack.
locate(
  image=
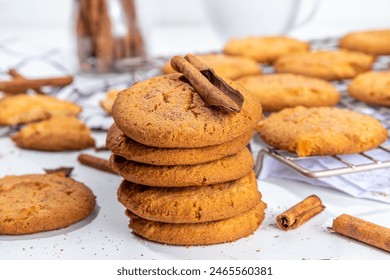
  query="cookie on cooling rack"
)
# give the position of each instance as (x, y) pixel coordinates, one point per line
(55, 134)
(35, 203)
(214, 172)
(279, 91)
(23, 108)
(322, 131)
(328, 65)
(375, 42)
(265, 49)
(371, 87)
(227, 66)
(207, 233)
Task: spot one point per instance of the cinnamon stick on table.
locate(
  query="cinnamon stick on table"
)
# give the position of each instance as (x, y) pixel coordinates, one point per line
(16, 75)
(25, 84)
(300, 213)
(211, 93)
(95, 162)
(363, 231)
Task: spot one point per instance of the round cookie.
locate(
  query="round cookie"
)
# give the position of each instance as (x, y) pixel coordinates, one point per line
(371, 87)
(227, 66)
(35, 203)
(222, 170)
(55, 134)
(279, 91)
(207, 233)
(192, 204)
(328, 65)
(322, 131)
(265, 49)
(108, 100)
(375, 42)
(23, 108)
(124, 146)
(167, 112)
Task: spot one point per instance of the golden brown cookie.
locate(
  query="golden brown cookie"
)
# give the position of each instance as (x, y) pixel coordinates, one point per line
(23, 108)
(328, 65)
(124, 146)
(222, 170)
(207, 233)
(192, 204)
(375, 42)
(322, 131)
(35, 203)
(167, 112)
(227, 66)
(371, 87)
(265, 49)
(55, 134)
(279, 91)
(108, 100)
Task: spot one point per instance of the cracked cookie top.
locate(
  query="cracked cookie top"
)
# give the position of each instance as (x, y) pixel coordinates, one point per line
(328, 65)
(322, 131)
(167, 112)
(41, 202)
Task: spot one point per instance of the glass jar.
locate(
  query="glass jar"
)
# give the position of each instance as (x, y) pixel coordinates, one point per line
(107, 33)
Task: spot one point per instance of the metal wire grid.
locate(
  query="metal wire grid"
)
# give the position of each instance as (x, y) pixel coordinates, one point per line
(370, 160)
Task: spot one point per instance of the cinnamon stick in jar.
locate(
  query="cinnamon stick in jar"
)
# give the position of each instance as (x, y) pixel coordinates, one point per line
(300, 213)
(363, 231)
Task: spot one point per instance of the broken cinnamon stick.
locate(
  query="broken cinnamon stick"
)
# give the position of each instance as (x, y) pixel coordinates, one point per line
(210, 93)
(300, 213)
(25, 84)
(363, 231)
(66, 171)
(218, 82)
(95, 162)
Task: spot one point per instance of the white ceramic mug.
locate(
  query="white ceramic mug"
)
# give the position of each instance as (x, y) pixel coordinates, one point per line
(241, 18)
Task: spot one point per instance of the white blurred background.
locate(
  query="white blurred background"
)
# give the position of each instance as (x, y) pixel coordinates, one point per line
(182, 25)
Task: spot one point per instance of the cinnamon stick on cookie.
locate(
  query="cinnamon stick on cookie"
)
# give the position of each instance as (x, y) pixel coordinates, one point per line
(213, 90)
(300, 213)
(363, 231)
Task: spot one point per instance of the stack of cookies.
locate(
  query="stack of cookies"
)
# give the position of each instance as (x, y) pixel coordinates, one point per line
(188, 174)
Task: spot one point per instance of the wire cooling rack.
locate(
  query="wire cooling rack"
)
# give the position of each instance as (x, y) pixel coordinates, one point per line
(338, 164)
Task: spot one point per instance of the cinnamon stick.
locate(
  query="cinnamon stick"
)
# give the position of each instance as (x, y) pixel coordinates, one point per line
(211, 95)
(101, 148)
(25, 84)
(95, 162)
(16, 75)
(300, 213)
(218, 82)
(363, 231)
(66, 171)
